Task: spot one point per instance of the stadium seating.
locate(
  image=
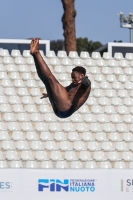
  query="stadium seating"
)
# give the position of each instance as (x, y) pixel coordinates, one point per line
(98, 135)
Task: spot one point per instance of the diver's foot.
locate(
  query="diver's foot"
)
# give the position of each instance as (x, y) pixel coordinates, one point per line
(34, 46)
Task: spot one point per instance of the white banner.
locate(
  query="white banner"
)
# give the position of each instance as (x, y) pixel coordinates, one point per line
(24, 184)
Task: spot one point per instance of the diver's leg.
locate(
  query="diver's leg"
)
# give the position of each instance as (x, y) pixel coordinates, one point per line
(60, 95)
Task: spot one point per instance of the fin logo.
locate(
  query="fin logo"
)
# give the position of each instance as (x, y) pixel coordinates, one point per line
(53, 185)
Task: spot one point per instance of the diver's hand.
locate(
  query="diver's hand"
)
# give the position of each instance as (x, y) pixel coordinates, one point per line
(44, 95)
(85, 81)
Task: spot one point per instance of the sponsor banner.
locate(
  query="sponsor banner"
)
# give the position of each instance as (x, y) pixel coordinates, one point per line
(61, 184)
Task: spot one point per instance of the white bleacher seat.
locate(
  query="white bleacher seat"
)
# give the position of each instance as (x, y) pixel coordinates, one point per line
(23, 68)
(50, 54)
(19, 60)
(113, 156)
(129, 56)
(100, 136)
(41, 126)
(96, 109)
(14, 100)
(106, 56)
(107, 70)
(22, 117)
(73, 136)
(3, 75)
(26, 155)
(123, 63)
(87, 136)
(81, 127)
(26, 76)
(45, 136)
(61, 164)
(121, 146)
(18, 135)
(66, 61)
(83, 109)
(1, 156)
(84, 55)
(16, 164)
(99, 156)
(70, 155)
(50, 145)
(127, 156)
(78, 62)
(54, 126)
(99, 77)
(114, 136)
(100, 63)
(18, 83)
(31, 108)
(3, 164)
(61, 54)
(4, 52)
(79, 145)
(105, 85)
(73, 54)
(41, 155)
(31, 164)
(3, 126)
(76, 117)
(22, 145)
(96, 55)
(59, 136)
(55, 155)
(109, 127)
(15, 53)
(2, 68)
(67, 127)
(111, 78)
(18, 108)
(65, 145)
(13, 126)
(131, 165)
(121, 127)
(12, 155)
(11, 67)
(94, 70)
(59, 69)
(36, 117)
(93, 146)
(84, 155)
(26, 53)
(31, 135)
(30, 61)
(37, 145)
(119, 165)
(55, 61)
(123, 78)
(26, 126)
(3, 99)
(7, 60)
(98, 93)
(118, 56)
(76, 164)
(9, 117)
(115, 118)
(128, 71)
(105, 165)
(107, 146)
(91, 165)
(27, 100)
(7, 145)
(4, 135)
(127, 137)
(89, 62)
(46, 164)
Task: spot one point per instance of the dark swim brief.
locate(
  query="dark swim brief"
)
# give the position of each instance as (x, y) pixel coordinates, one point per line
(64, 114)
